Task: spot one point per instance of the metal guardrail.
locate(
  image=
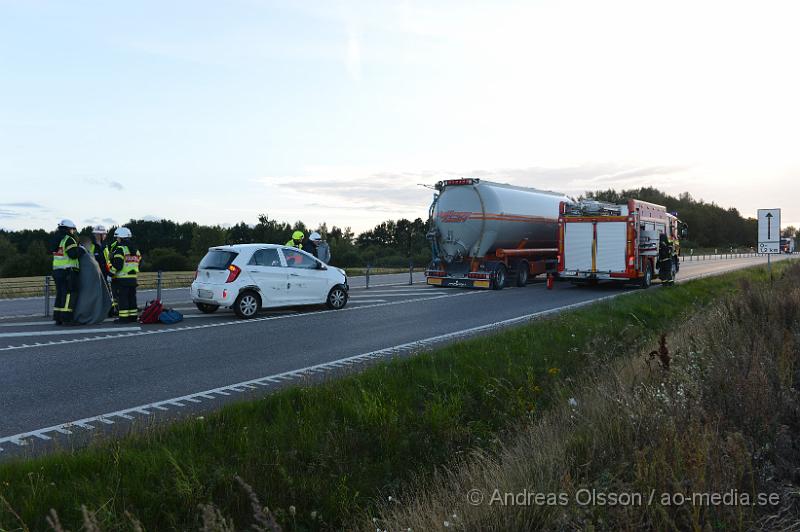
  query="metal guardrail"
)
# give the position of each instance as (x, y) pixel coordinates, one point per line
(691, 257)
(370, 270)
(44, 287)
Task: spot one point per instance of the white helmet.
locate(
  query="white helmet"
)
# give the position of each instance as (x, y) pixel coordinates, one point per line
(315, 236)
(122, 232)
(99, 230)
(67, 223)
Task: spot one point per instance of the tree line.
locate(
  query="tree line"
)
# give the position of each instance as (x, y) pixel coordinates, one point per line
(710, 226)
(173, 246)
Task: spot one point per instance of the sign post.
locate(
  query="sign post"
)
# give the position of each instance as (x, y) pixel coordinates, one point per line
(769, 234)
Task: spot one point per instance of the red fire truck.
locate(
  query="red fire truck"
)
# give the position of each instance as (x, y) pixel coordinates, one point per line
(603, 241)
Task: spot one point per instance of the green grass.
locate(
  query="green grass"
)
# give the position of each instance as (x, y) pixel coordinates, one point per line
(333, 448)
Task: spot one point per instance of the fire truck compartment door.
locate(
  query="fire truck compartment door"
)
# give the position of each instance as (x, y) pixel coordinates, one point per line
(612, 238)
(578, 246)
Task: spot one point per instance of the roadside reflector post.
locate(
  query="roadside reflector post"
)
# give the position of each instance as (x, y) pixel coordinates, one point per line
(46, 296)
(158, 284)
(368, 267)
(410, 272)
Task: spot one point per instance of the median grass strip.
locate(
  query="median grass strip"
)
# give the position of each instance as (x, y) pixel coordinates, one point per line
(319, 456)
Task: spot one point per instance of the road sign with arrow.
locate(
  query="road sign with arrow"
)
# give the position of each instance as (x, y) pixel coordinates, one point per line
(769, 231)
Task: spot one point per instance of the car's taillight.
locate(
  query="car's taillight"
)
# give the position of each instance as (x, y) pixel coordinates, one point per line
(233, 273)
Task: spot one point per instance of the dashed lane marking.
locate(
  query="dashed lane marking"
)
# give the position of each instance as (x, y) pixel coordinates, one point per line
(113, 332)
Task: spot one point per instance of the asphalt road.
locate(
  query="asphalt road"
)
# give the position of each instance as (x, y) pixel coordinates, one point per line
(57, 381)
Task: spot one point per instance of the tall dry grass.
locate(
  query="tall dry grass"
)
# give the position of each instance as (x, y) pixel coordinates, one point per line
(718, 412)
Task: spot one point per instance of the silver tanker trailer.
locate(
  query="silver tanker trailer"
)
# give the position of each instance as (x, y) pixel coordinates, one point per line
(486, 234)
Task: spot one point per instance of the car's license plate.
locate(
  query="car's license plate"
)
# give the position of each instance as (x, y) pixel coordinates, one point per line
(206, 294)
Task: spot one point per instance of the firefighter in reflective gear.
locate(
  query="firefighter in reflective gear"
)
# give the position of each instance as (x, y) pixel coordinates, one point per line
(99, 248)
(310, 244)
(666, 264)
(297, 240)
(108, 252)
(125, 261)
(66, 265)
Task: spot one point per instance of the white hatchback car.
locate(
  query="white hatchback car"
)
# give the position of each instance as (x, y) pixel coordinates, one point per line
(248, 277)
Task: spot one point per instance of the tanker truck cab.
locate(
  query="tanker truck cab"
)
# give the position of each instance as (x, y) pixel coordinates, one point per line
(490, 235)
(602, 241)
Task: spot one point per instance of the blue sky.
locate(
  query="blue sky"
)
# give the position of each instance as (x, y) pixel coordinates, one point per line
(336, 111)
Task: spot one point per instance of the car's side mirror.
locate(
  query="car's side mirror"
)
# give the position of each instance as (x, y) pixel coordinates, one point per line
(321, 266)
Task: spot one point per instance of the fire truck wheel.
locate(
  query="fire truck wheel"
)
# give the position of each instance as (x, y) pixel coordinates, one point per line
(647, 280)
(500, 276)
(522, 274)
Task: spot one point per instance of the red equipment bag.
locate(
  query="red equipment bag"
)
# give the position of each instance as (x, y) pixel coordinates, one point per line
(151, 312)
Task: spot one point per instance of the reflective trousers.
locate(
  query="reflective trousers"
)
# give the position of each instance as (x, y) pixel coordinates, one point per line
(125, 294)
(67, 281)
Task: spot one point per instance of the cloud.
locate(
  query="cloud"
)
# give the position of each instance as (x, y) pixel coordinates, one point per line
(23, 205)
(96, 220)
(17, 209)
(401, 193)
(116, 185)
(384, 192)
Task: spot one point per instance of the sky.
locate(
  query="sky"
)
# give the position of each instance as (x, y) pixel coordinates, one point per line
(339, 112)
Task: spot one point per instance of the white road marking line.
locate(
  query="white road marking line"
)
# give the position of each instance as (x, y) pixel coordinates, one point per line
(384, 293)
(237, 322)
(362, 301)
(27, 323)
(61, 332)
(17, 316)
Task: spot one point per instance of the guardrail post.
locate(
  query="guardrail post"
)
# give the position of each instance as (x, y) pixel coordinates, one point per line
(158, 284)
(368, 267)
(46, 296)
(410, 272)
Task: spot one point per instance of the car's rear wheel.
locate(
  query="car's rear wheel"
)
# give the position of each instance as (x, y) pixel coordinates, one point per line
(206, 308)
(247, 304)
(337, 298)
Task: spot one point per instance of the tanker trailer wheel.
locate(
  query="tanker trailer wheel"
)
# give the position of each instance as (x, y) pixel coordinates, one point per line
(522, 273)
(500, 277)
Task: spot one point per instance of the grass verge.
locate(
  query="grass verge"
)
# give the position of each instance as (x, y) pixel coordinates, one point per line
(702, 435)
(319, 456)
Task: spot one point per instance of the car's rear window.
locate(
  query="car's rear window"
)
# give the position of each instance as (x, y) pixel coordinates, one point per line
(217, 260)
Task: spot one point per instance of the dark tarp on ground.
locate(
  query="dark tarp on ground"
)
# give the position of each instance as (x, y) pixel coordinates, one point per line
(94, 301)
